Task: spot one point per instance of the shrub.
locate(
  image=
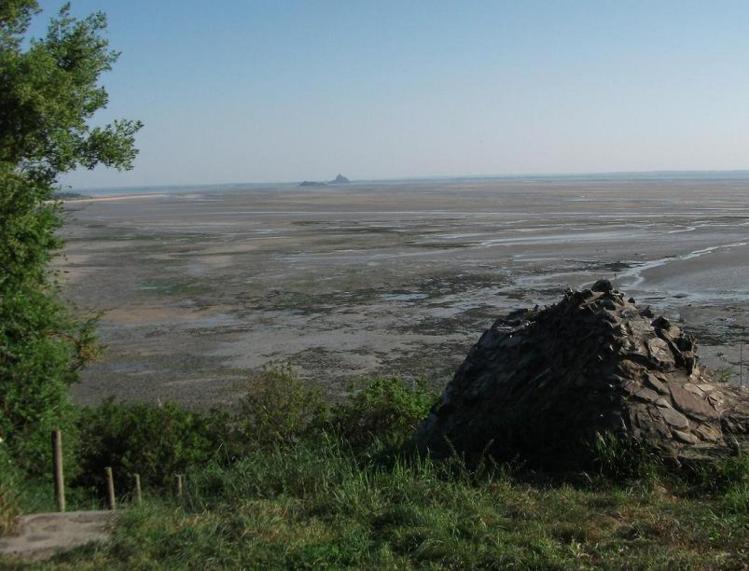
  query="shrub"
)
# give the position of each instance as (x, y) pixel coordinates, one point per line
(155, 442)
(279, 409)
(41, 350)
(278, 414)
(388, 410)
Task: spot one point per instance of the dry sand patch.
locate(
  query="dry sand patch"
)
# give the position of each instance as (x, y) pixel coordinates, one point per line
(40, 536)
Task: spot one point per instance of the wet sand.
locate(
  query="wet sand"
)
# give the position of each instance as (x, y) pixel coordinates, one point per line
(345, 282)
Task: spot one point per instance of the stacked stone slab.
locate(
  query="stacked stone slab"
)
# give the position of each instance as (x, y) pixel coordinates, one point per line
(542, 385)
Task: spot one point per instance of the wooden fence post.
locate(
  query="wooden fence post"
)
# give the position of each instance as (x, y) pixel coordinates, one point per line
(58, 470)
(179, 485)
(138, 493)
(741, 363)
(111, 500)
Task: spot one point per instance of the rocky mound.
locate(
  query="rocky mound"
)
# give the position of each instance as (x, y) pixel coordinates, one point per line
(542, 384)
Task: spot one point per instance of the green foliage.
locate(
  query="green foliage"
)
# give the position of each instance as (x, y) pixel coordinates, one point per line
(49, 90)
(155, 442)
(279, 408)
(735, 479)
(313, 504)
(313, 497)
(623, 459)
(388, 410)
(279, 413)
(728, 478)
(722, 375)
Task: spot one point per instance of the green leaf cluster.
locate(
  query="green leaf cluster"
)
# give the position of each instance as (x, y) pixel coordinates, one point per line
(154, 442)
(49, 92)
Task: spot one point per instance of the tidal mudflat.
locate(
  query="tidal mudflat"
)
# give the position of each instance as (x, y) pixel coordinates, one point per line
(198, 288)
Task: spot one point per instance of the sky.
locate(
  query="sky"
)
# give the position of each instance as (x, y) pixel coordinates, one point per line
(283, 90)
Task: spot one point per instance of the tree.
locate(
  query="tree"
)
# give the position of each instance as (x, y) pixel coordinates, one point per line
(49, 91)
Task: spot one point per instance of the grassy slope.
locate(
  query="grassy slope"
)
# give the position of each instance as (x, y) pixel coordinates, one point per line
(281, 492)
(312, 506)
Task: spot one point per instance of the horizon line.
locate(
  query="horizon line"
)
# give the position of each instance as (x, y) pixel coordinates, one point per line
(573, 174)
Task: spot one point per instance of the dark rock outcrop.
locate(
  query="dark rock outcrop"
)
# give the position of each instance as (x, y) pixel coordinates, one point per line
(541, 385)
(340, 179)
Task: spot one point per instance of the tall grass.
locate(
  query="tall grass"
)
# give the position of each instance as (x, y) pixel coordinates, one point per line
(319, 504)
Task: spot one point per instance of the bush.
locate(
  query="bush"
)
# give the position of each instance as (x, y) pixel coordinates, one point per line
(41, 350)
(388, 410)
(155, 442)
(279, 409)
(279, 413)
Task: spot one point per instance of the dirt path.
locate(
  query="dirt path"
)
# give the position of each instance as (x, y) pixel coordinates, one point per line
(43, 535)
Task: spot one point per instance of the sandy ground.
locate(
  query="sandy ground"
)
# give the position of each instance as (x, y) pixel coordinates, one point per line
(197, 290)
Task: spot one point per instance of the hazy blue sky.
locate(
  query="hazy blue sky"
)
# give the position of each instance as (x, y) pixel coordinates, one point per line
(277, 90)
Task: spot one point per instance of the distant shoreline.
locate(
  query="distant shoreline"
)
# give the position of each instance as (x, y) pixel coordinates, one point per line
(108, 198)
(635, 176)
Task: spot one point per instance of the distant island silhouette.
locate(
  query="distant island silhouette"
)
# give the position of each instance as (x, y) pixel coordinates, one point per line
(340, 179)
